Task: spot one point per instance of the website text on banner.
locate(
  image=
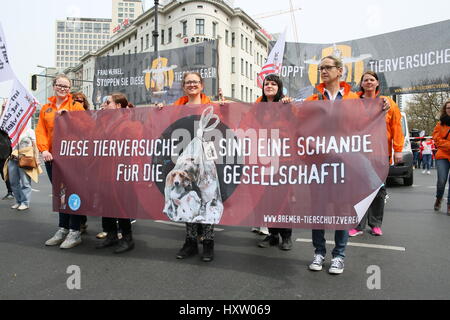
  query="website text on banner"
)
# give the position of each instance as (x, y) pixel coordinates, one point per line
(311, 165)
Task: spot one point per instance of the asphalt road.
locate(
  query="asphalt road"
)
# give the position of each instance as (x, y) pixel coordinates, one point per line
(411, 262)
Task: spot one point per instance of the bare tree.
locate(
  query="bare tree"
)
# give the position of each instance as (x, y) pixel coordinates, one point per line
(423, 110)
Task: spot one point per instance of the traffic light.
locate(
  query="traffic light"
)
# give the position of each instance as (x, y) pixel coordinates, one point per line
(34, 82)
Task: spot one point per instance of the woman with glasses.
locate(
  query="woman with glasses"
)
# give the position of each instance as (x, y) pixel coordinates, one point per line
(68, 234)
(193, 86)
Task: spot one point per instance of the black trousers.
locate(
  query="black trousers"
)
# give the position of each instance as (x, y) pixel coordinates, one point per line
(110, 225)
(285, 233)
(8, 185)
(375, 213)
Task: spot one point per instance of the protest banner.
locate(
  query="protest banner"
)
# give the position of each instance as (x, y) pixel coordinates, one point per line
(414, 60)
(146, 78)
(6, 72)
(20, 108)
(310, 165)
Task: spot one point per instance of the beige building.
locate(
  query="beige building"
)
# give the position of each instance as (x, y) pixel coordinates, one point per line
(124, 12)
(242, 48)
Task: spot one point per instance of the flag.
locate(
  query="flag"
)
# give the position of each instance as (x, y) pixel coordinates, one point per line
(274, 61)
(20, 108)
(6, 72)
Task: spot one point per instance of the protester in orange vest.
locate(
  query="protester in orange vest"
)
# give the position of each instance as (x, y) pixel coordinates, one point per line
(68, 234)
(193, 86)
(441, 137)
(370, 89)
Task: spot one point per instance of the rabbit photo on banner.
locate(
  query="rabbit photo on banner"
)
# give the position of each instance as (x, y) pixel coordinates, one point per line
(192, 191)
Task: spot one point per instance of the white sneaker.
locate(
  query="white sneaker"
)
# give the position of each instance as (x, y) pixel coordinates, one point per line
(337, 266)
(58, 238)
(424, 171)
(15, 206)
(264, 231)
(317, 263)
(72, 240)
(428, 172)
(23, 207)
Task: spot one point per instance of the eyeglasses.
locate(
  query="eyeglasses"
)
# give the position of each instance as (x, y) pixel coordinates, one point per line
(192, 83)
(328, 68)
(62, 87)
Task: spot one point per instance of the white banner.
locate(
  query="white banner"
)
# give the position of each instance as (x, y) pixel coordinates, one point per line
(6, 72)
(20, 108)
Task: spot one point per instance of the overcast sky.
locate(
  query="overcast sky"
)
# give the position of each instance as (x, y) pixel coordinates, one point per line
(29, 26)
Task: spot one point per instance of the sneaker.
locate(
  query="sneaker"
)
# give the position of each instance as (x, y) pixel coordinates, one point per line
(58, 238)
(355, 232)
(428, 172)
(424, 171)
(377, 231)
(15, 206)
(101, 235)
(270, 240)
(264, 231)
(133, 221)
(317, 263)
(23, 207)
(72, 240)
(337, 266)
(8, 196)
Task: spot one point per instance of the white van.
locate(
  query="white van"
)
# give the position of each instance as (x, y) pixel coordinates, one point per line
(405, 169)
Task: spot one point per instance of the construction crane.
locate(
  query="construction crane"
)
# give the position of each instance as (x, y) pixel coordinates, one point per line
(292, 11)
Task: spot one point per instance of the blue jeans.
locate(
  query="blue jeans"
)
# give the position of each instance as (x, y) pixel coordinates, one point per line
(426, 158)
(443, 167)
(416, 163)
(319, 242)
(66, 221)
(20, 183)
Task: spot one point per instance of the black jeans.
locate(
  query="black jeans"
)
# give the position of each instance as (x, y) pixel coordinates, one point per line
(283, 232)
(66, 221)
(109, 225)
(8, 185)
(375, 213)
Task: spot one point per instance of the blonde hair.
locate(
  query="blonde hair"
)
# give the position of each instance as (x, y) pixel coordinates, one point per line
(62, 76)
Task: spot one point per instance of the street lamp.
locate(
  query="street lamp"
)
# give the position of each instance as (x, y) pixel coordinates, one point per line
(46, 75)
(155, 32)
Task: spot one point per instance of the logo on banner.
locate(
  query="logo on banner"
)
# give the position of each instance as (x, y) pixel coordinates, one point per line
(353, 66)
(74, 202)
(160, 77)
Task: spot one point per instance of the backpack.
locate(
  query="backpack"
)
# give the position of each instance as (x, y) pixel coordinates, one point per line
(5, 146)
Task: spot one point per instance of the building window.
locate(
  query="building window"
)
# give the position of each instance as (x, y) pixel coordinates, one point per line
(242, 41)
(169, 40)
(147, 41)
(227, 34)
(246, 69)
(61, 27)
(200, 55)
(242, 93)
(233, 39)
(142, 44)
(184, 24)
(200, 26)
(251, 72)
(162, 36)
(233, 65)
(242, 66)
(251, 47)
(214, 33)
(233, 91)
(246, 45)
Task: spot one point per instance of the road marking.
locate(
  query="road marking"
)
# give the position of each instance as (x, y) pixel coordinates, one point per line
(363, 245)
(180, 224)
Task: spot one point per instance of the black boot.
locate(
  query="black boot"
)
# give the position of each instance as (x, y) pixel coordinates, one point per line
(286, 244)
(437, 204)
(110, 241)
(208, 250)
(125, 244)
(270, 240)
(189, 249)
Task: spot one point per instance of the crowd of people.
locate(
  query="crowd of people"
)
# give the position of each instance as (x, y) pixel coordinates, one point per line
(117, 233)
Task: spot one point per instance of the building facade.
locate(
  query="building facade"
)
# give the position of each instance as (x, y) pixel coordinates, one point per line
(124, 12)
(242, 47)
